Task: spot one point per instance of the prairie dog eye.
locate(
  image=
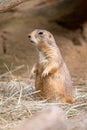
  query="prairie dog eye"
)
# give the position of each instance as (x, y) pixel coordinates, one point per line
(40, 33)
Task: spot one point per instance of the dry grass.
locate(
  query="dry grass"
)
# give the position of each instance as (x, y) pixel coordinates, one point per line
(18, 101)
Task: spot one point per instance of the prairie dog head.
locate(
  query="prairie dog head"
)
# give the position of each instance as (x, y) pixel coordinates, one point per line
(39, 36)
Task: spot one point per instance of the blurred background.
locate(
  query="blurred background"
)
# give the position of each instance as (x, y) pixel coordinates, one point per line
(65, 19)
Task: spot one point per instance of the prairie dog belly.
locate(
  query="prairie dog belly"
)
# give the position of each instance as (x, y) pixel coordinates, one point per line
(55, 85)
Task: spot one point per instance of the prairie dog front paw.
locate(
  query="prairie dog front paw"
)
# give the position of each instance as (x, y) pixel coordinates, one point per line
(44, 73)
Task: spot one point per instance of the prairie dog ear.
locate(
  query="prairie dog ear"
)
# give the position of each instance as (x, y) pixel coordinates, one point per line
(50, 35)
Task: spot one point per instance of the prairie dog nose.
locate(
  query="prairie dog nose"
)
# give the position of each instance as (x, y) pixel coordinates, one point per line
(29, 36)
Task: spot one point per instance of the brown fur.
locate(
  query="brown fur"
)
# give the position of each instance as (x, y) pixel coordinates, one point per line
(52, 74)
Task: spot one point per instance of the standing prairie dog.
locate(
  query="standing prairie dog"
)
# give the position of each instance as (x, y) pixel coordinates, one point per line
(52, 74)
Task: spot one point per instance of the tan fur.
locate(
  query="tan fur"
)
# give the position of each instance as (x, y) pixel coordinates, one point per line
(52, 74)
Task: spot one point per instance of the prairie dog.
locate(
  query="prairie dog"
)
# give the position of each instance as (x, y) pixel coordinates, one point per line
(52, 75)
